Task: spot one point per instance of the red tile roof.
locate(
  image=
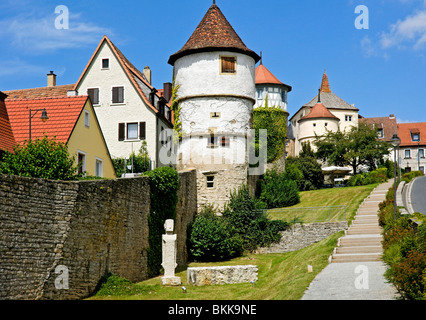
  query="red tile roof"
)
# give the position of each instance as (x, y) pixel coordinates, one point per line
(406, 129)
(319, 111)
(7, 140)
(264, 76)
(36, 93)
(325, 85)
(214, 33)
(388, 124)
(63, 113)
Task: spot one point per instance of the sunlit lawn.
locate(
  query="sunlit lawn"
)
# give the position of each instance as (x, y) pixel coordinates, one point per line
(281, 276)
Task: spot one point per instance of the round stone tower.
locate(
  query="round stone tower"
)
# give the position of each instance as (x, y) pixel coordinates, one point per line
(214, 74)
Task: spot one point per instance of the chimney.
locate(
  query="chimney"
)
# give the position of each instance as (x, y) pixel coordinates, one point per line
(167, 93)
(147, 74)
(51, 79)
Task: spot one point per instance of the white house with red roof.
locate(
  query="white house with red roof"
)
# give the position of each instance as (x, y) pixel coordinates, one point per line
(130, 110)
(412, 148)
(325, 112)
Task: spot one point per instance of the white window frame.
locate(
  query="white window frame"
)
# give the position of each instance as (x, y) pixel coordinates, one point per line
(86, 118)
(405, 154)
(101, 167)
(127, 131)
(102, 63)
(84, 167)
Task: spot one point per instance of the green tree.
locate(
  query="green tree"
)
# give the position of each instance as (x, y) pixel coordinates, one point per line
(274, 120)
(359, 146)
(41, 158)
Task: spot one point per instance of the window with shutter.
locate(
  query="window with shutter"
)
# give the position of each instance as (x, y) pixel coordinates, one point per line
(228, 65)
(118, 95)
(142, 130)
(132, 131)
(121, 131)
(94, 95)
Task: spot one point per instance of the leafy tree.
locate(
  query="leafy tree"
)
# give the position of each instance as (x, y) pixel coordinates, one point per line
(141, 162)
(278, 191)
(41, 158)
(359, 146)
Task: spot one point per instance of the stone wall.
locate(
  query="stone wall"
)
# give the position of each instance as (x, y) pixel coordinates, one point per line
(300, 236)
(201, 276)
(89, 227)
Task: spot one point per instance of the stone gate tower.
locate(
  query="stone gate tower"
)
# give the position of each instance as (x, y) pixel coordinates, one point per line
(214, 74)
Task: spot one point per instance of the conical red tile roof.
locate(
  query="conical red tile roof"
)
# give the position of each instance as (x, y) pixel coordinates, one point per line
(319, 111)
(214, 33)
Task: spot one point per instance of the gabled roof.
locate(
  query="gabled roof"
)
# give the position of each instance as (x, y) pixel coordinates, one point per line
(63, 113)
(264, 76)
(36, 93)
(405, 131)
(319, 111)
(214, 33)
(7, 140)
(134, 75)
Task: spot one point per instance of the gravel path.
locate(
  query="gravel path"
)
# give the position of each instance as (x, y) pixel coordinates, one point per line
(351, 281)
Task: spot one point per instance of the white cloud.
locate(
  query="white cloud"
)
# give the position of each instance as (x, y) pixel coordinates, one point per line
(38, 34)
(17, 66)
(410, 32)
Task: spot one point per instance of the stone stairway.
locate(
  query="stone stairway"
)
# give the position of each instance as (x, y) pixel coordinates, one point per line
(363, 240)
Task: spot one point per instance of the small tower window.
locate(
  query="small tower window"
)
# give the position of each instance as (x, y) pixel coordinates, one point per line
(228, 65)
(210, 182)
(214, 114)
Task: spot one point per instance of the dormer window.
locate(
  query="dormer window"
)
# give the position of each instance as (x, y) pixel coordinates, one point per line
(415, 136)
(228, 65)
(380, 133)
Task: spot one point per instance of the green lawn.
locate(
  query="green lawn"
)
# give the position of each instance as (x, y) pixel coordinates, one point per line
(281, 276)
(351, 197)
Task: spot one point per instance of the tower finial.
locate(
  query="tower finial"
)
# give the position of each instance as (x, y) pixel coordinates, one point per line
(214, 2)
(261, 57)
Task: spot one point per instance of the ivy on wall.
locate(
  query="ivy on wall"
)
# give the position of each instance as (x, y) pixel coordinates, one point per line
(164, 184)
(273, 119)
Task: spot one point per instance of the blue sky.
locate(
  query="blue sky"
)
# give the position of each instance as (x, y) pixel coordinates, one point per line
(382, 69)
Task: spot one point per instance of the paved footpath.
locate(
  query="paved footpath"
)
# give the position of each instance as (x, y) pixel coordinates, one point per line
(356, 269)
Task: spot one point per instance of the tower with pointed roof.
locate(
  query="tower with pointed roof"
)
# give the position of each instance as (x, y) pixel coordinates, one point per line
(325, 112)
(269, 88)
(214, 74)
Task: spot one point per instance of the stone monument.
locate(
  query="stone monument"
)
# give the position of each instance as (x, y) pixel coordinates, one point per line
(169, 255)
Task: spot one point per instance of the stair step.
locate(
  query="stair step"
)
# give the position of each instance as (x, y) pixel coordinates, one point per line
(359, 249)
(341, 258)
(361, 232)
(372, 241)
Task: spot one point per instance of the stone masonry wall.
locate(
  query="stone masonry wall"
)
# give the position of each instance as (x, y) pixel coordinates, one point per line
(300, 236)
(89, 227)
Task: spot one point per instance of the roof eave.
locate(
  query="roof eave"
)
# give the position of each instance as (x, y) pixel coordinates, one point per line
(174, 57)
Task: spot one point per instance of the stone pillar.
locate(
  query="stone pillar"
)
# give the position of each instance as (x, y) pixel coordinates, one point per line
(169, 255)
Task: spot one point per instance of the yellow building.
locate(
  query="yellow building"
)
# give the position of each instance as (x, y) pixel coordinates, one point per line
(71, 120)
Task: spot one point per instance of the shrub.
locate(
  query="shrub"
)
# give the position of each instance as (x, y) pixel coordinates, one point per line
(211, 239)
(249, 223)
(366, 178)
(407, 177)
(113, 285)
(277, 191)
(41, 158)
(408, 275)
(141, 162)
(306, 171)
